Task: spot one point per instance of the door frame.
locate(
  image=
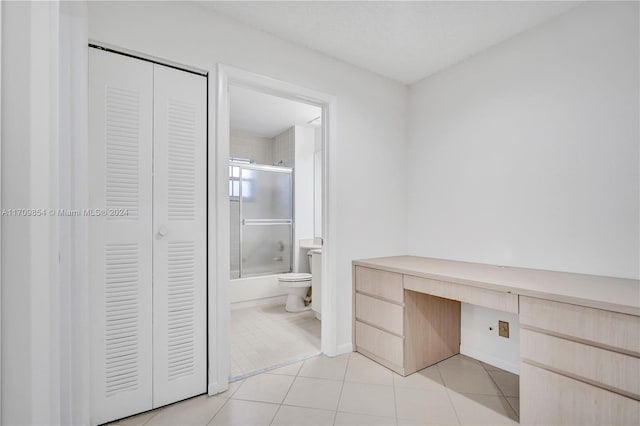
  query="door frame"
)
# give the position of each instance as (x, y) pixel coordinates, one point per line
(219, 304)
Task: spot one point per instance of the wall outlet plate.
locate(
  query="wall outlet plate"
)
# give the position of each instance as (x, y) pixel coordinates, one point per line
(503, 329)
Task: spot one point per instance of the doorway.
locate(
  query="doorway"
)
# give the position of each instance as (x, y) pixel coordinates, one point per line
(255, 155)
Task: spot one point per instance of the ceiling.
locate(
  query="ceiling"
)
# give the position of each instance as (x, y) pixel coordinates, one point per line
(267, 115)
(405, 41)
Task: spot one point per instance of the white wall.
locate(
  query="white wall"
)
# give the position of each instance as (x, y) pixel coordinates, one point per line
(371, 121)
(303, 194)
(527, 154)
(33, 116)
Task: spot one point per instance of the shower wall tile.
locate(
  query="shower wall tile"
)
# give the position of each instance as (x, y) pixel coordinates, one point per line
(247, 145)
(284, 148)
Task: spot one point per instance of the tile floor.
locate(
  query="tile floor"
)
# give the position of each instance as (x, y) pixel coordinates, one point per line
(353, 390)
(266, 335)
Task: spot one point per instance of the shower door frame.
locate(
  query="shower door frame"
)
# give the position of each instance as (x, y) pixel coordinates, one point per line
(263, 222)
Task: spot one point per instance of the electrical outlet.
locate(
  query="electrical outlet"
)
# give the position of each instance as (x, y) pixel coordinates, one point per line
(503, 329)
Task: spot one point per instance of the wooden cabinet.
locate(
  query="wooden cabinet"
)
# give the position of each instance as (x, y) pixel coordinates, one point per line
(579, 334)
(581, 364)
(401, 329)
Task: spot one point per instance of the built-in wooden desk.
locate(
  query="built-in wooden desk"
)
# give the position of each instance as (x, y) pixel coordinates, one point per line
(579, 334)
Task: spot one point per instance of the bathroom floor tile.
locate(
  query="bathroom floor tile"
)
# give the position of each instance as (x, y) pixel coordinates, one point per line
(426, 397)
(314, 393)
(460, 362)
(323, 367)
(428, 378)
(266, 335)
(350, 419)
(287, 370)
(362, 398)
(508, 383)
(264, 388)
(137, 420)
(233, 387)
(428, 406)
(515, 404)
(469, 381)
(195, 411)
(363, 370)
(243, 413)
(300, 416)
(475, 409)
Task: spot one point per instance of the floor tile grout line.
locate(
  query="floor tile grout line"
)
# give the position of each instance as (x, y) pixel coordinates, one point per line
(395, 398)
(344, 376)
(501, 391)
(219, 410)
(288, 390)
(455, 411)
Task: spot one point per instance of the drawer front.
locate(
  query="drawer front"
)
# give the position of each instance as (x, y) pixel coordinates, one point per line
(478, 296)
(547, 398)
(379, 283)
(379, 343)
(603, 328)
(385, 315)
(612, 370)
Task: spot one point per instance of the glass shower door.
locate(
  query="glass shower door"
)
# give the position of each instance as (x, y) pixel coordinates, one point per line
(266, 220)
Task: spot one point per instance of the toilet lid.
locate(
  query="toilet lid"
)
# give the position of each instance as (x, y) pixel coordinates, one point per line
(295, 276)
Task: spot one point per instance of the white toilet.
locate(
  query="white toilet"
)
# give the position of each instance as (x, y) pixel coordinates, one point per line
(297, 285)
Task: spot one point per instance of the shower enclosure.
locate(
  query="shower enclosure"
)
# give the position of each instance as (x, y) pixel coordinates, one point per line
(261, 199)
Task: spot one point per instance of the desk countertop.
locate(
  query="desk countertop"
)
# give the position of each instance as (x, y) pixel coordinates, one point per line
(608, 293)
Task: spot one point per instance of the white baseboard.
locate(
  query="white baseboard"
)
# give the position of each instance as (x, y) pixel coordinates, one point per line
(216, 388)
(267, 301)
(491, 360)
(345, 348)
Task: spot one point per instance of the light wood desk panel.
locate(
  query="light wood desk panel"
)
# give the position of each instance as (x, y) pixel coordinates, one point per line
(580, 334)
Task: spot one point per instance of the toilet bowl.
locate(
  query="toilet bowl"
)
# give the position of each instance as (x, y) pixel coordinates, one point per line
(297, 285)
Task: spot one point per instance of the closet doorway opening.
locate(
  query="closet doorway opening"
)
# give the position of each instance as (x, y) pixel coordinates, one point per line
(273, 138)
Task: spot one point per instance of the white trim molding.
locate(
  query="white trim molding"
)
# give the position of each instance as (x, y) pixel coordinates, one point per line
(228, 75)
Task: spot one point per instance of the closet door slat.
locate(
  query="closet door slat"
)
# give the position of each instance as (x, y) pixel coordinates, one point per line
(120, 246)
(179, 261)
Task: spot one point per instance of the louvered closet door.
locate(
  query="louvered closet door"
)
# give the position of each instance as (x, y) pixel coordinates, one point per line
(179, 260)
(120, 247)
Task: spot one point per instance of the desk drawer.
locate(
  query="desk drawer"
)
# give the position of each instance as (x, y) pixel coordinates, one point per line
(547, 398)
(607, 369)
(385, 315)
(387, 285)
(607, 329)
(464, 293)
(380, 343)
